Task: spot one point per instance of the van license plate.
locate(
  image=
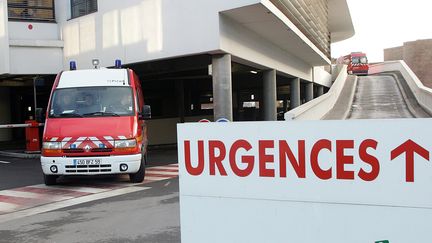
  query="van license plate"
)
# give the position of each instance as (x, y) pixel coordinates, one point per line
(87, 161)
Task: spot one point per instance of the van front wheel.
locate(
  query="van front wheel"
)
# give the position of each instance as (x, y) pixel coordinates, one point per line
(139, 175)
(50, 180)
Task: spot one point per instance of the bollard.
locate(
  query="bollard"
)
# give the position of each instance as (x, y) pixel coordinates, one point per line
(32, 137)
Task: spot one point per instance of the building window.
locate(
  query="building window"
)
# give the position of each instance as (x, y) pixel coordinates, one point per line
(31, 10)
(83, 7)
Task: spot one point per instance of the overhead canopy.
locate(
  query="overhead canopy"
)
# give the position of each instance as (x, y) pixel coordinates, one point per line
(340, 22)
(270, 23)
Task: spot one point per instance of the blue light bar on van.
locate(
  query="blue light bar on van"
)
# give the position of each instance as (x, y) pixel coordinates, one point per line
(72, 65)
(118, 63)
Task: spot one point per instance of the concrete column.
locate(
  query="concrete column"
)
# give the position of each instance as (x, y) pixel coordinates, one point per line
(180, 100)
(222, 87)
(309, 92)
(285, 103)
(320, 90)
(270, 99)
(295, 93)
(5, 113)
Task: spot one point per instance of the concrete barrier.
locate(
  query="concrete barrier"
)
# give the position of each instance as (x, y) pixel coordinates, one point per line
(318, 108)
(322, 77)
(422, 93)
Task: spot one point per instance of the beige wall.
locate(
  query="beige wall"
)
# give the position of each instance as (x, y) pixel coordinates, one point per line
(418, 56)
(393, 54)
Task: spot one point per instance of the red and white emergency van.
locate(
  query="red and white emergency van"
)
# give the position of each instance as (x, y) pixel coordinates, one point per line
(357, 63)
(95, 124)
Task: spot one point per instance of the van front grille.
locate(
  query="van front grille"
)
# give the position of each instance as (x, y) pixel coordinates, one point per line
(87, 168)
(69, 151)
(88, 171)
(94, 150)
(101, 150)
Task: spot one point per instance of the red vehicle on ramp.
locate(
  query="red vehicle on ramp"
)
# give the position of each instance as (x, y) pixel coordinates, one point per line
(357, 63)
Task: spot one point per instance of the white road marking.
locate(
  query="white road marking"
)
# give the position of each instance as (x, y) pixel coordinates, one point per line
(150, 178)
(4, 162)
(7, 207)
(12, 193)
(73, 188)
(161, 172)
(68, 203)
(163, 168)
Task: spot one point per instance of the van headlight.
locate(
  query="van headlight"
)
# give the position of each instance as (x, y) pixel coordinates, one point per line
(126, 143)
(51, 145)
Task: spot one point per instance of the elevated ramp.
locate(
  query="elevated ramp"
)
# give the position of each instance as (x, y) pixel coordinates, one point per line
(378, 97)
(391, 91)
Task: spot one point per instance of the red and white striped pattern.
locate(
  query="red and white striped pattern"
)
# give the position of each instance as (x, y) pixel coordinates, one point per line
(17, 199)
(161, 173)
(81, 142)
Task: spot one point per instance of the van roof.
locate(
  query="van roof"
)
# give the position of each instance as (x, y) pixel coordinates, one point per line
(93, 77)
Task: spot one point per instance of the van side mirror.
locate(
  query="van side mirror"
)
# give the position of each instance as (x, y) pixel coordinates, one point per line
(40, 115)
(146, 112)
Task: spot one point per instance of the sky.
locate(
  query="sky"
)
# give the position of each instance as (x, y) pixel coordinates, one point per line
(381, 24)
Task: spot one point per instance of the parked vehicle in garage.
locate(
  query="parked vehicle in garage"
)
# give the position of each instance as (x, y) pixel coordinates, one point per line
(95, 124)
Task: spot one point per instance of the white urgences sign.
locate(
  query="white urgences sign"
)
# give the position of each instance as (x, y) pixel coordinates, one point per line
(315, 181)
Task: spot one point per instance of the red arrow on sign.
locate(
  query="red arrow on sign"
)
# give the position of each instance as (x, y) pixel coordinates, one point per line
(410, 147)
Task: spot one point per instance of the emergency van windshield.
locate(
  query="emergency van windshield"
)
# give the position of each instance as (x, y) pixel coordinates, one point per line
(357, 60)
(92, 102)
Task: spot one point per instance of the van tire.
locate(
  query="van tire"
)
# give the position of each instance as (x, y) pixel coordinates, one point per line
(50, 180)
(138, 177)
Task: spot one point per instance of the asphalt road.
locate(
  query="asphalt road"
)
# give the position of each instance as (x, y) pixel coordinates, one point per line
(15, 172)
(147, 216)
(151, 214)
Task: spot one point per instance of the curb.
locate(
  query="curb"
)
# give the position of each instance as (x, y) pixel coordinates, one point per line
(20, 155)
(351, 100)
(345, 109)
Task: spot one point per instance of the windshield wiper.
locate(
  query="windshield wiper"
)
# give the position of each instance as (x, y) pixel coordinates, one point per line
(67, 115)
(101, 113)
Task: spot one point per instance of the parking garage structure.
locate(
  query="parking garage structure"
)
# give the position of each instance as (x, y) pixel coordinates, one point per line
(243, 60)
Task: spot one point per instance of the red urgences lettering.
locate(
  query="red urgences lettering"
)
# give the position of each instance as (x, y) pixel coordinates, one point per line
(268, 156)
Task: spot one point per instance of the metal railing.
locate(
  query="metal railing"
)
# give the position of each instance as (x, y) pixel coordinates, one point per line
(19, 125)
